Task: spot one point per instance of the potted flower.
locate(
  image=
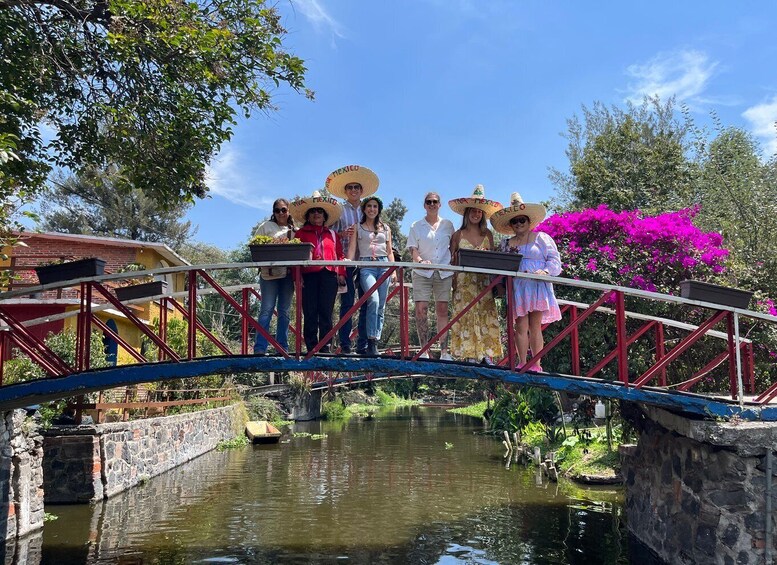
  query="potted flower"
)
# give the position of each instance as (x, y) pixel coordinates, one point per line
(70, 270)
(708, 292)
(498, 260)
(265, 248)
(139, 287)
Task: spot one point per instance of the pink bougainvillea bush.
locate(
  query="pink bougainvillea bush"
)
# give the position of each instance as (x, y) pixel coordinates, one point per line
(629, 249)
(652, 253)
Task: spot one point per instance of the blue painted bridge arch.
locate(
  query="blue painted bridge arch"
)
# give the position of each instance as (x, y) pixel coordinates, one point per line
(365, 369)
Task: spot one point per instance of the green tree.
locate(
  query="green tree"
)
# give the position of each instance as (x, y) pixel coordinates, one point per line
(393, 216)
(628, 159)
(737, 194)
(153, 86)
(99, 203)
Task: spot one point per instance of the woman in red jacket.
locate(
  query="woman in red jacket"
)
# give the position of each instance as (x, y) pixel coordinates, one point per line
(319, 282)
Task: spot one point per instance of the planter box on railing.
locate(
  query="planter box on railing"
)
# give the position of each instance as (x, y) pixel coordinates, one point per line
(154, 288)
(498, 260)
(707, 292)
(80, 269)
(281, 252)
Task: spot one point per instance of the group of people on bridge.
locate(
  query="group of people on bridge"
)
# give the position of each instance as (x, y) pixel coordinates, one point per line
(354, 230)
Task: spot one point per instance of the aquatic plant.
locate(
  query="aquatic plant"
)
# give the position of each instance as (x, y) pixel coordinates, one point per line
(234, 443)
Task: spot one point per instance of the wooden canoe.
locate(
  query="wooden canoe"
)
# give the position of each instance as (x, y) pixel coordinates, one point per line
(261, 431)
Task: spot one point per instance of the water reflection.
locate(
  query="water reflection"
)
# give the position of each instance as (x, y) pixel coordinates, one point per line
(387, 490)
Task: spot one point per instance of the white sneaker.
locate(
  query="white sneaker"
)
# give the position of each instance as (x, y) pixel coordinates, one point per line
(446, 357)
(424, 355)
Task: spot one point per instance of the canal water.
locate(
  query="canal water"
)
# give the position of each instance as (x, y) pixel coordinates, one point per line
(411, 485)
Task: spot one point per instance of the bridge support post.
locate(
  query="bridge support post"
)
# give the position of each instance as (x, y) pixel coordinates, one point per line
(696, 491)
(307, 406)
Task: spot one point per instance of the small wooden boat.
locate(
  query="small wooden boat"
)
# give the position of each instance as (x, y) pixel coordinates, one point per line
(261, 431)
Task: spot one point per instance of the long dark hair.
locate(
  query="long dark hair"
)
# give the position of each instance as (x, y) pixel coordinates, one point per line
(483, 225)
(378, 223)
(276, 204)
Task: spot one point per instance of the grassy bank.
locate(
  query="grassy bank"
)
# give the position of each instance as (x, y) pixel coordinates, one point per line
(582, 455)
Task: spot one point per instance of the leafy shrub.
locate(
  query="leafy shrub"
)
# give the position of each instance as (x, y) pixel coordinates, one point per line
(21, 368)
(335, 410)
(262, 408)
(299, 385)
(511, 412)
(177, 339)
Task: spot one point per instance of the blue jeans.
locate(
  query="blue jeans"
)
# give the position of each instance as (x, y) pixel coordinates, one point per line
(276, 291)
(376, 303)
(347, 300)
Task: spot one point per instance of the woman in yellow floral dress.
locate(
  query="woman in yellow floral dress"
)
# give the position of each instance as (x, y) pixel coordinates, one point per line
(476, 335)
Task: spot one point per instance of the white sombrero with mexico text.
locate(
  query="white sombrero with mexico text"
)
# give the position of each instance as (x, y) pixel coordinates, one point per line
(336, 181)
(299, 207)
(501, 219)
(477, 200)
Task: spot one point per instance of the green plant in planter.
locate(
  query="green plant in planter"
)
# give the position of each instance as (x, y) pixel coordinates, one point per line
(131, 268)
(265, 239)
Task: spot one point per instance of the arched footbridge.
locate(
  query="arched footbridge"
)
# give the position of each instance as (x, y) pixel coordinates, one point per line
(696, 358)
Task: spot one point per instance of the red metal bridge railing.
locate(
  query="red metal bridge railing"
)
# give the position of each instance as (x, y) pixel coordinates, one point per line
(739, 351)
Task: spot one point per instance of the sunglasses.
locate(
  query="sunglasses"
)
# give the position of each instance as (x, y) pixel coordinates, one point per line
(432, 202)
(283, 210)
(353, 187)
(316, 210)
(519, 220)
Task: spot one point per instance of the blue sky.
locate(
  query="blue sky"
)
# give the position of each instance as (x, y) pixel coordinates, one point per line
(445, 94)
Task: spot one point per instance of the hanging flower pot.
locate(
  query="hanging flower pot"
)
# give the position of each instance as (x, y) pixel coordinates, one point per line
(498, 260)
(70, 270)
(153, 288)
(708, 292)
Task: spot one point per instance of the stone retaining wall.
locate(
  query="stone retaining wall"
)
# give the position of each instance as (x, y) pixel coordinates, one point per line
(88, 463)
(696, 490)
(21, 478)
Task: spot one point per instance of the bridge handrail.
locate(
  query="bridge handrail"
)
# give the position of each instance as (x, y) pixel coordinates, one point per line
(531, 276)
(234, 288)
(648, 318)
(106, 307)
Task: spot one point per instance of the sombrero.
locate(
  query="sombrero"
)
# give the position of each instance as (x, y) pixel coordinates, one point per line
(300, 206)
(336, 181)
(477, 200)
(501, 219)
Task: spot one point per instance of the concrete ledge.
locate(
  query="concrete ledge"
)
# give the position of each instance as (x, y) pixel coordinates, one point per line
(747, 438)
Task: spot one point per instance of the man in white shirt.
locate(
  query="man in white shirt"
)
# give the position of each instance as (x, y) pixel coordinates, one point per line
(429, 243)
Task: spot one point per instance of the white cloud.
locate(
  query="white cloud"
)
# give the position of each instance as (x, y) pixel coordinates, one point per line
(762, 118)
(315, 12)
(224, 179)
(682, 74)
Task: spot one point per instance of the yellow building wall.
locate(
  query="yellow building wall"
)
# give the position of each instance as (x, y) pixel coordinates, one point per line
(147, 312)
